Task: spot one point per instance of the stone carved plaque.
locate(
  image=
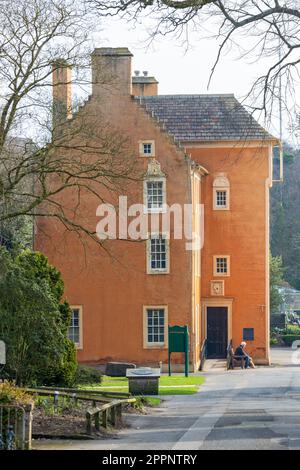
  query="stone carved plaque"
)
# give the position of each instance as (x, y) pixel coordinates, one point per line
(154, 169)
(217, 288)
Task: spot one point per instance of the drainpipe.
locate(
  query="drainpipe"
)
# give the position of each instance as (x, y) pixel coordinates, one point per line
(192, 304)
(280, 180)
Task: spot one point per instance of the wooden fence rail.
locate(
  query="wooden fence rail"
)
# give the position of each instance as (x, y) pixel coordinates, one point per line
(105, 409)
(88, 391)
(108, 413)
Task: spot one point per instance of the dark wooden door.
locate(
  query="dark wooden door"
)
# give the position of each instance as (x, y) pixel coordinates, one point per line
(217, 333)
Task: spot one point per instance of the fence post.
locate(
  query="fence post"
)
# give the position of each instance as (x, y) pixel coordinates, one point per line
(20, 428)
(74, 396)
(113, 415)
(28, 426)
(56, 398)
(88, 423)
(104, 418)
(97, 421)
(119, 412)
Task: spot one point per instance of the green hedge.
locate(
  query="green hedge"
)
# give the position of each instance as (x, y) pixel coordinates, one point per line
(88, 375)
(289, 339)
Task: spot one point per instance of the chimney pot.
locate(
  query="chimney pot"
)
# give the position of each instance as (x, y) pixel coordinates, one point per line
(143, 85)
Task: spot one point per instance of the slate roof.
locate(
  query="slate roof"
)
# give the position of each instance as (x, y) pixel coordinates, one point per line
(205, 118)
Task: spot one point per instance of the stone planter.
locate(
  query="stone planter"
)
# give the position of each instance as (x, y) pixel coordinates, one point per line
(143, 381)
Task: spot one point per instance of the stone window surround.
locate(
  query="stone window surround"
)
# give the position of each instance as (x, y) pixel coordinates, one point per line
(159, 210)
(147, 345)
(215, 273)
(141, 148)
(148, 254)
(221, 183)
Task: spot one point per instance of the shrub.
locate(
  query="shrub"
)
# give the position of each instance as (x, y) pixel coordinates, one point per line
(289, 339)
(292, 330)
(12, 395)
(34, 321)
(88, 375)
(63, 372)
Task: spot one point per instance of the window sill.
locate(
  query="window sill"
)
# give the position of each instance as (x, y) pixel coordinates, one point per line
(158, 272)
(155, 211)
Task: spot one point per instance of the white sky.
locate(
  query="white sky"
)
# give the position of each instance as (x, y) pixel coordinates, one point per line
(181, 71)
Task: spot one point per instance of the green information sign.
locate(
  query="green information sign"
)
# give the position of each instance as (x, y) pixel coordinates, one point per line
(179, 342)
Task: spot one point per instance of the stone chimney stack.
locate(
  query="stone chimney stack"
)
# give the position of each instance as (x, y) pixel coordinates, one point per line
(111, 71)
(143, 85)
(62, 92)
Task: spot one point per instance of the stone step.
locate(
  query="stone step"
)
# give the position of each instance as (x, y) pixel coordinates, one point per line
(215, 365)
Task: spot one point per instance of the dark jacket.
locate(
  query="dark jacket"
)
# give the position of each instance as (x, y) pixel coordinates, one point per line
(240, 351)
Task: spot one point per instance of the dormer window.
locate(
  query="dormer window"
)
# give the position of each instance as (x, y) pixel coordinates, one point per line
(221, 193)
(147, 148)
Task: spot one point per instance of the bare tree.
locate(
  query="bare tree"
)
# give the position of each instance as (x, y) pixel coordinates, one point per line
(81, 157)
(271, 26)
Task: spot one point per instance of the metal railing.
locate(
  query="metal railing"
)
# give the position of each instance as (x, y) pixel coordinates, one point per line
(229, 355)
(203, 352)
(12, 427)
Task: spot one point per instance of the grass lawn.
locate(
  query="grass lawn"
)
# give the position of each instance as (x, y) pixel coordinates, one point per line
(174, 385)
(152, 401)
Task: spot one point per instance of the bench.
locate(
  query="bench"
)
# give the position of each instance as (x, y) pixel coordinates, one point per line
(234, 361)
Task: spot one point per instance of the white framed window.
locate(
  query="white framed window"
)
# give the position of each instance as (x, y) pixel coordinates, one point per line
(158, 253)
(155, 194)
(221, 193)
(155, 331)
(221, 198)
(147, 148)
(75, 328)
(221, 265)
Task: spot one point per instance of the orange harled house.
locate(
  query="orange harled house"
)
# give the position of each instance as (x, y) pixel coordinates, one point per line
(202, 151)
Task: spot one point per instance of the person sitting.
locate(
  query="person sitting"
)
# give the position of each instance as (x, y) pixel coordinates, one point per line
(240, 351)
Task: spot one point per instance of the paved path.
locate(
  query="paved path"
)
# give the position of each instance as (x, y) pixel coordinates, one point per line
(240, 409)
